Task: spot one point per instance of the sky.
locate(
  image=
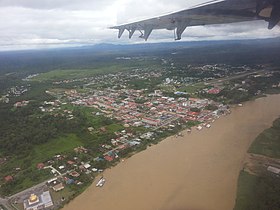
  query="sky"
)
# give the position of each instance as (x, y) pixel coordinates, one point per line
(28, 24)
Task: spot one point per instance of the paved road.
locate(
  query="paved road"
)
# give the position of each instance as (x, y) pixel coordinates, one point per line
(31, 189)
(237, 76)
(4, 202)
(54, 169)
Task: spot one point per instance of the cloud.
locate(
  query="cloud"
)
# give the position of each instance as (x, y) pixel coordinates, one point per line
(33, 23)
(57, 4)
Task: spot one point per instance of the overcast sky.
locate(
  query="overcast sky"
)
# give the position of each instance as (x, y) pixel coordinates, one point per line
(53, 23)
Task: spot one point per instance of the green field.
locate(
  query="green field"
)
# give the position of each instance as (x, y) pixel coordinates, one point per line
(257, 192)
(246, 187)
(268, 142)
(56, 146)
(77, 73)
(193, 88)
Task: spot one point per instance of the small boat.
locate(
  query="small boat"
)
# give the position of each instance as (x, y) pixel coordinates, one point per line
(101, 182)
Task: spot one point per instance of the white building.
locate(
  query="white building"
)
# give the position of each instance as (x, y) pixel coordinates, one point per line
(35, 202)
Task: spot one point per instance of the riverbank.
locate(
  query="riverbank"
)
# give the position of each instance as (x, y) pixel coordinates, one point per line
(258, 182)
(198, 171)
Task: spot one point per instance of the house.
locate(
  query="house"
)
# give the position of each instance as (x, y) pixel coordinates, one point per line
(80, 149)
(8, 178)
(87, 166)
(273, 170)
(55, 184)
(74, 174)
(108, 158)
(40, 166)
(214, 91)
(70, 162)
(58, 186)
(151, 121)
(94, 169)
(61, 167)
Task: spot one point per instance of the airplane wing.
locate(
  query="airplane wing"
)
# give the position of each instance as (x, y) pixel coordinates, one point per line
(212, 12)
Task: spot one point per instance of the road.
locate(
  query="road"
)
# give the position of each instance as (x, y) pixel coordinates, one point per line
(237, 76)
(4, 202)
(36, 187)
(53, 169)
(8, 202)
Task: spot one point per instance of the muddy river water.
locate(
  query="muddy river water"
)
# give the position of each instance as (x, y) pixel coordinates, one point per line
(198, 171)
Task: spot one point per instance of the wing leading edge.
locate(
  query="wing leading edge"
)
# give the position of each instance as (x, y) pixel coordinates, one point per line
(214, 12)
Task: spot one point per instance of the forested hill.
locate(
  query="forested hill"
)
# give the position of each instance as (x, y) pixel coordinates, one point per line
(243, 52)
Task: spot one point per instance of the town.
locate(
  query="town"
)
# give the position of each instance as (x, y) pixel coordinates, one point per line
(138, 108)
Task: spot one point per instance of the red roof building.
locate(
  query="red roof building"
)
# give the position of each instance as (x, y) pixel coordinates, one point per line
(108, 158)
(70, 162)
(214, 91)
(40, 165)
(8, 178)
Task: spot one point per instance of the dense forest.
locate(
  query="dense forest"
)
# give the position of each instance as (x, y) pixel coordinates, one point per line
(23, 128)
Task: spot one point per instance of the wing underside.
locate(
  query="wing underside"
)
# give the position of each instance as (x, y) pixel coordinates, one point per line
(216, 12)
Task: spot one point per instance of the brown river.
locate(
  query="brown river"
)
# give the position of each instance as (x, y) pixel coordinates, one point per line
(196, 172)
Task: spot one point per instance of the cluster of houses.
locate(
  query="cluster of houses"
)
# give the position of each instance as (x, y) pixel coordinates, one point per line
(120, 78)
(18, 90)
(55, 108)
(21, 104)
(153, 110)
(68, 169)
(137, 108)
(15, 91)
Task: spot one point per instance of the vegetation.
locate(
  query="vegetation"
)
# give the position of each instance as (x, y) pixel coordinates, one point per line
(268, 142)
(258, 192)
(193, 88)
(261, 191)
(211, 107)
(77, 73)
(145, 84)
(29, 136)
(244, 89)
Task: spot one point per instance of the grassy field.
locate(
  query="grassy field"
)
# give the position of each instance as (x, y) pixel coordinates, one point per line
(99, 121)
(77, 73)
(66, 193)
(258, 192)
(268, 142)
(192, 88)
(246, 187)
(56, 146)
